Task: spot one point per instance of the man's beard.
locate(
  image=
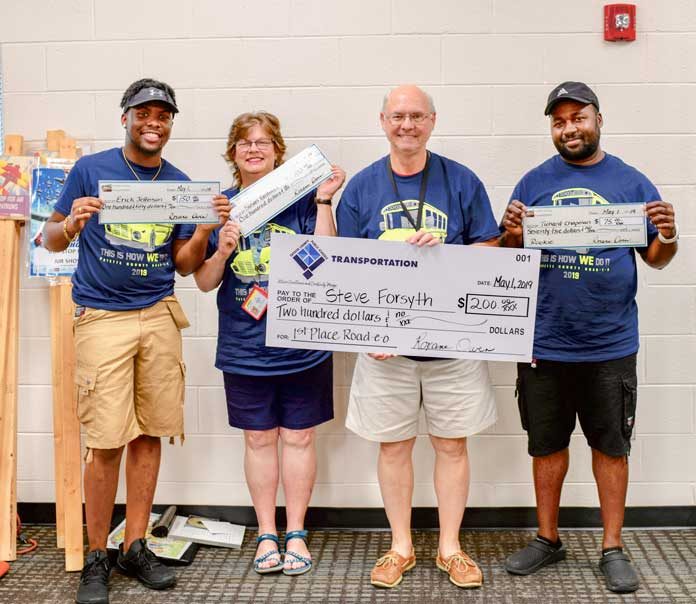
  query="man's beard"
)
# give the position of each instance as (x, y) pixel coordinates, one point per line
(587, 150)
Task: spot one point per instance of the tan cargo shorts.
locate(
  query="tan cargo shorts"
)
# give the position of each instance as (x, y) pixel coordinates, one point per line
(129, 373)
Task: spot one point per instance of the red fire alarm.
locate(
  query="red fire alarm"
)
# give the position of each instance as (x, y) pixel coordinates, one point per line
(619, 22)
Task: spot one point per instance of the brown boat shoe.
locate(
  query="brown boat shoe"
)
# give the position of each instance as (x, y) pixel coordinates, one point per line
(462, 570)
(389, 569)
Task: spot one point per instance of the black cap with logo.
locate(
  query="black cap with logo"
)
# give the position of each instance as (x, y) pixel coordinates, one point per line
(148, 95)
(571, 91)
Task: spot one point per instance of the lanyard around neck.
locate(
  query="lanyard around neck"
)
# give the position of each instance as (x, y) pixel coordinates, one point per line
(418, 223)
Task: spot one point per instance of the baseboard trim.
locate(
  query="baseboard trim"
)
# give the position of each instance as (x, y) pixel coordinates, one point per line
(422, 518)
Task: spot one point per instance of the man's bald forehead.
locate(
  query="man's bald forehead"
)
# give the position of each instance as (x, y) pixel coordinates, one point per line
(410, 90)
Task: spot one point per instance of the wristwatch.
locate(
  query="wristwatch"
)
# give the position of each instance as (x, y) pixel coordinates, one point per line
(673, 239)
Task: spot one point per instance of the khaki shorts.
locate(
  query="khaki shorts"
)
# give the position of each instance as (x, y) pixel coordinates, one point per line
(129, 373)
(386, 397)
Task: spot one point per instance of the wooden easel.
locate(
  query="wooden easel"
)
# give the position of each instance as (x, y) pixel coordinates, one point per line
(66, 427)
(10, 229)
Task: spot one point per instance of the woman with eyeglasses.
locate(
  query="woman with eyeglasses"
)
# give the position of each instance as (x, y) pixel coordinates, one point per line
(275, 395)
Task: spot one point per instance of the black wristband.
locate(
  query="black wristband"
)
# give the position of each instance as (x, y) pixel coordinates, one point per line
(322, 202)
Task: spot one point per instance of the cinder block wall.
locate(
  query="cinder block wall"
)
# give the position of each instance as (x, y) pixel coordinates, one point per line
(323, 68)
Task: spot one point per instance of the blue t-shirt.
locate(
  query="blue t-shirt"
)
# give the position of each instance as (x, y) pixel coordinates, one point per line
(120, 266)
(456, 206)
(586, 309)
(241, 344)
(456, 209)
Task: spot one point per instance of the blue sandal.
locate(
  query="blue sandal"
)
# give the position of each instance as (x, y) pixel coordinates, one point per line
(264, 570)
(307, 562)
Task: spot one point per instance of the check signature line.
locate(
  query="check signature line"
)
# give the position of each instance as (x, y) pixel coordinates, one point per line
(512, 354)
(448, 312)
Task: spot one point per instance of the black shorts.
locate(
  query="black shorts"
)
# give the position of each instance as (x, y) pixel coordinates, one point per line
(294, 400)
(603, 395)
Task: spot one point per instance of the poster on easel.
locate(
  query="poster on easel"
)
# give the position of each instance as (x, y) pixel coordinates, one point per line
(47, 184)
(15, 185)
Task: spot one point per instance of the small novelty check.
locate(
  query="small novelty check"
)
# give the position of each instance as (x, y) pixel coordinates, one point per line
(255, 205)
(159, 201)
(569, 227)
(362, 295)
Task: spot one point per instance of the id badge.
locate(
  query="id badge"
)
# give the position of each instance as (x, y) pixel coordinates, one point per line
(256, 302)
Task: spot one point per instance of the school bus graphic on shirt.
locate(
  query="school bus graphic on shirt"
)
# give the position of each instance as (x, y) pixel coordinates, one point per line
(147, 237)
(244, 266)
(397, 227)
(577, 196)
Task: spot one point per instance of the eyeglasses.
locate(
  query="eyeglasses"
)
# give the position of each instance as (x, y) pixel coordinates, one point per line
(399, 118)
(262, 144)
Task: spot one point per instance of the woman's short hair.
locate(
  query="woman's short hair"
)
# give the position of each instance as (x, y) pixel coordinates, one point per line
(241, 126)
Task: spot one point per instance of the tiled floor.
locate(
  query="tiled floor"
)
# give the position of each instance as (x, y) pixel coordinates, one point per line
(666, 561)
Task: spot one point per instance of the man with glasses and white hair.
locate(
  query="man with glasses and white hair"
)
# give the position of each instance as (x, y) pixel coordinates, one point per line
(424, 199)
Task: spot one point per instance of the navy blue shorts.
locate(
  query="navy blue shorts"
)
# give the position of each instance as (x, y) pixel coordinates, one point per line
(294, 400)
(602, 395)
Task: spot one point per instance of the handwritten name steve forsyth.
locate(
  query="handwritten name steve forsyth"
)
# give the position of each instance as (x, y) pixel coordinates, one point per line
(385, 297)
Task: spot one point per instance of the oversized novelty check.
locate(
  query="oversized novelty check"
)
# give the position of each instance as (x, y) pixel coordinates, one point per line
(159, 201)
(255, 205)
(362, 295)
(570, 227)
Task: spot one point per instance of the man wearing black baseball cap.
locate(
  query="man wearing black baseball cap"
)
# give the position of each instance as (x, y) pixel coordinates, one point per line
(129, 369)
(586, 333)
(571, 91)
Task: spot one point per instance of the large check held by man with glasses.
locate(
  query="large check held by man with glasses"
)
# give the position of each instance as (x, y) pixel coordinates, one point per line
(362, 295)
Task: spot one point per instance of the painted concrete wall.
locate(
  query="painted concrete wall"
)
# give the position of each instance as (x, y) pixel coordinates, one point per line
(323, 68)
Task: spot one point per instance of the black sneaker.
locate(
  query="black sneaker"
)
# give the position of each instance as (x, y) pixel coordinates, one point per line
(94, 579)
(141, 563)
